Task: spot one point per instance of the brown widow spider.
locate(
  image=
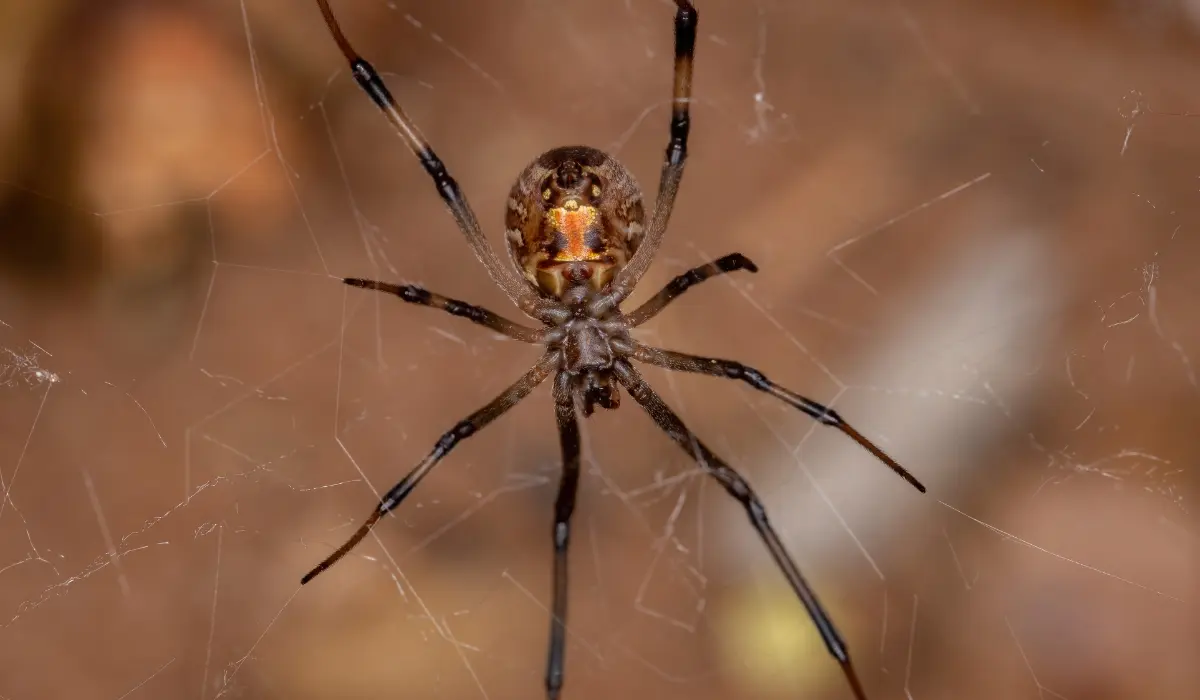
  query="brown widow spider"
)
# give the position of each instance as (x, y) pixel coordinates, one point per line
(574, 233)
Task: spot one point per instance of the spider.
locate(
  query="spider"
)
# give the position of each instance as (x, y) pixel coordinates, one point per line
(575, 235)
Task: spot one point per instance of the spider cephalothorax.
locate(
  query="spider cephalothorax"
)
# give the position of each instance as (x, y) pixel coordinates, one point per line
(574, 216)
(588, 349)
(574, 231)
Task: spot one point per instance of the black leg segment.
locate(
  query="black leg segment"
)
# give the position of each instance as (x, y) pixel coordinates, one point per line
(682, 362)
(461, 431)
(476, 314)
(684, 282)
(737, 487)
(564, 507)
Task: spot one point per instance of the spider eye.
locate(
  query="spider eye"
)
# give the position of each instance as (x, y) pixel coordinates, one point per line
(546, 194)
(596, 191)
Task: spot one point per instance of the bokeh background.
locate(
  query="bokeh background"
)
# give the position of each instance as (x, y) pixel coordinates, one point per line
(978, 229)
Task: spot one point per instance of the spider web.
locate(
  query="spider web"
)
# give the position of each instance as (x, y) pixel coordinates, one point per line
(976, 234)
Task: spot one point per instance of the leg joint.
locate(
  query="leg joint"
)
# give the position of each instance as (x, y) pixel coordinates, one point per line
(462, 430)
(823, 413)
(415, 295)
(562, 535)
(736, 370)
(681, 283)
(458, 308)
(677, 148)
(756, 510)
(754, 376)
(737, 487)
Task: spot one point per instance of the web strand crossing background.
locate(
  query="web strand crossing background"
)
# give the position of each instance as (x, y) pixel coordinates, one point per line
(977, 234)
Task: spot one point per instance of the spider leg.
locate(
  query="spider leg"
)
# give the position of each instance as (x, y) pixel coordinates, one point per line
(684, 282)
(737, 487)
(564, 506)
(682, 362)
(462, 430)
(367, 77)
(477, 314)
(686, 19)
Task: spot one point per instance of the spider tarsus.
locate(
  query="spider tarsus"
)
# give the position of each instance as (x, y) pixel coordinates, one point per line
(408, 292)
(727, 263)
(336, 30)
(879, 454)
(852, 679)
(345, 548)
(736, 261)
(362, 283)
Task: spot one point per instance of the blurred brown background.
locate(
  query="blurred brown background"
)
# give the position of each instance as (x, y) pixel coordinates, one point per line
(978, 231)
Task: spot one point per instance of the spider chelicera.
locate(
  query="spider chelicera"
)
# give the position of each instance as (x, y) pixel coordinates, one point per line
(574, 231)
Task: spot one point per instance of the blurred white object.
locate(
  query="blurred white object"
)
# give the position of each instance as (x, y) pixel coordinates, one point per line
(930, 405)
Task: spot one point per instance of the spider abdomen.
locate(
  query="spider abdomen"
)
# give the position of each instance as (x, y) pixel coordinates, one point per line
(574, 218)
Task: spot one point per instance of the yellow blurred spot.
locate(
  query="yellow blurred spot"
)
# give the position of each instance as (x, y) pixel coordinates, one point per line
(768, 644)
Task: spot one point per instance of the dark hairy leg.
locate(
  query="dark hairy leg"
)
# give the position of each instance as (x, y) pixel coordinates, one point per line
(368, 79)
(686, 20)
(564, 507)
(477, 314)
(682, 362)
(684, 282)
(737, 487)
(461, 431)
